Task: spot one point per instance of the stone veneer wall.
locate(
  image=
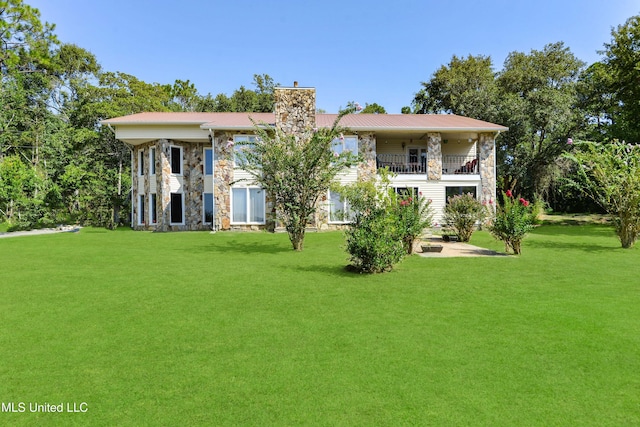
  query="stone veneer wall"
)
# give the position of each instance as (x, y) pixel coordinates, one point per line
(434, 156)
(367, 150)
(192, 185)
(487, 168)
(295, 109)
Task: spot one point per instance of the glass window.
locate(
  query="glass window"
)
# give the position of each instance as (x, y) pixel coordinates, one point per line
(141, 210)
(241, 144)
(176, 160)
(339, 209)
(248, 205)
(256, 205)
(176, 208)
(208, 161)
(454, 191)
(153, 209)
(152, 161)
(208, 208)
(141, 162)
(344, 144)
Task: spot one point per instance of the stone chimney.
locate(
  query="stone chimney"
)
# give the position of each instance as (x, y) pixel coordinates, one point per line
(295, 108)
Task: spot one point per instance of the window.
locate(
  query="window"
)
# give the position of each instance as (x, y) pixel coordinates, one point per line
(176, 160)
(454, 191)
(241, 144)
(248, 205)
(339, 209)
(177, 208)
(344, 144)
(152, 160)
(141, 162)
(406, 191)
(141, 209)
(208, 208)
(208, 161)
(152, 208)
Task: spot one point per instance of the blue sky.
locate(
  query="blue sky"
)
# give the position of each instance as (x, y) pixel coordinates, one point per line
(349, 50)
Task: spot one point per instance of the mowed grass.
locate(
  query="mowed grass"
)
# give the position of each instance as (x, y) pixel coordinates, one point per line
(237, 329)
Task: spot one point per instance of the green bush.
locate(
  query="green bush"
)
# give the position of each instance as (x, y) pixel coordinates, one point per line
(512, 221)
(462, 213)
(413, 214)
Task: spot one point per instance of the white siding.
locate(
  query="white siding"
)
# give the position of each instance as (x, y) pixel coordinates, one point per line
(176, 183)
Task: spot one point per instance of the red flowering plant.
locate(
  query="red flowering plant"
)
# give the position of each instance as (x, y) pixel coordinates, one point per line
(512, 221)
(413, 214)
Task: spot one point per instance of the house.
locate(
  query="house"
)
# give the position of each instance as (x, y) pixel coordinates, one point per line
(184, 176)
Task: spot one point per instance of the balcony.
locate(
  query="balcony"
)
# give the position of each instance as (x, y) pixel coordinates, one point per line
(451, 164)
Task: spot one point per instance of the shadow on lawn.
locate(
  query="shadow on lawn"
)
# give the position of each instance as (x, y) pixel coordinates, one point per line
(242, 247)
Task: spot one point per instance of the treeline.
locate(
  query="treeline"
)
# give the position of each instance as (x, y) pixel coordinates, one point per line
(58, 165)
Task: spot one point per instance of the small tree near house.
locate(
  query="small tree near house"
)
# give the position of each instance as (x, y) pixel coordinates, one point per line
(295, 170)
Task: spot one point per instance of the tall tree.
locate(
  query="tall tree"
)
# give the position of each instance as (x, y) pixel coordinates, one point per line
(465, 86)
(538, 103)
(622, 57)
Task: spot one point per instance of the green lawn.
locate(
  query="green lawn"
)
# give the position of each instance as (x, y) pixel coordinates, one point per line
(236, 329)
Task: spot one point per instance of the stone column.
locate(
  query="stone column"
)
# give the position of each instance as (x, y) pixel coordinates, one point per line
(163, 184)
(487, 168)
(222, 179)
(434, 157)
(367, 150)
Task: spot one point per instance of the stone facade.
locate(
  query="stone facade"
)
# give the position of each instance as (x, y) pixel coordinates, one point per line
(487, 168)
(434, 157)
(367, 150)
(295, 109)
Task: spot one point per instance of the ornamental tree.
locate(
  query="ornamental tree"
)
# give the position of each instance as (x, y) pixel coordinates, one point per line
(609, 173)
(462, 213)
(295, 170)
(511, 222)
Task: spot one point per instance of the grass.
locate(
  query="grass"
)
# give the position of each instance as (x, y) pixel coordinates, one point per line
(236, 329)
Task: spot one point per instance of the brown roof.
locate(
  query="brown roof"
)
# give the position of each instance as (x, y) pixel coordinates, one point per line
(372, 122)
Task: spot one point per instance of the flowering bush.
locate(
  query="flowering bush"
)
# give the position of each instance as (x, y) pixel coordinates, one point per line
(512, 221)
(462, 213)
(413, 214)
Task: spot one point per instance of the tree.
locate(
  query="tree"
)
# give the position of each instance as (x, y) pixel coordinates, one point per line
(538, 99)
(464, 86)
(609, 173)
(373, 237)
(373, 109)
(622, 57)
(295, 170)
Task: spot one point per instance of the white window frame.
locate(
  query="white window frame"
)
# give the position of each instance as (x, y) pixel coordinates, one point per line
(204, 209)
(248, 206)
(152, 161)
(171, 209)
(204, 160)
(348, 211)
(171, 147)
(141, 209)
(153, 198)
(239, 138)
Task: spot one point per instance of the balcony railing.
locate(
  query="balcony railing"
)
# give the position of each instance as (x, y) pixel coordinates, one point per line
(399, 163)
(464, 165)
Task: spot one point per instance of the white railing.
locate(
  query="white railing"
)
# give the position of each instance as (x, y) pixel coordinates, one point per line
(455, 165)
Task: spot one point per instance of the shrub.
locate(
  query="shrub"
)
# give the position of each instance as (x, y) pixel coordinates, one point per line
(462, 213)
(512, 221)
(413, 214)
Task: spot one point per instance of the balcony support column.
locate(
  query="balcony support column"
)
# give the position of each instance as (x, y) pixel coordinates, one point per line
(488, 168)
(434, 156)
